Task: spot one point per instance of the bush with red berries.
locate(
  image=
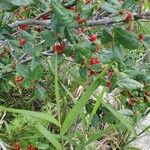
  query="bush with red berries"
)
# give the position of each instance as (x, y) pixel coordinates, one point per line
(73, 73)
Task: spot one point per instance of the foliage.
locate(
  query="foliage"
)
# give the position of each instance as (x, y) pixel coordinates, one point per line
(73, 73)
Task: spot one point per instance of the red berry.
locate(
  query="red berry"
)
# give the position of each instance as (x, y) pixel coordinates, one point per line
(88, 1)
(31, 147)
(1, 54)
(129, 16)
(59, 48)
(80, 20)
(45, 17)
(93, 38)
(22, 42)
(19, 80)
(17, 146)
(24, 27)
(94, 61)
(73, 8)
(108, 83)
(110, 74)
(141, 37)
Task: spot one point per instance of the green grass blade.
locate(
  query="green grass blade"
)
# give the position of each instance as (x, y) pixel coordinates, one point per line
(39, 115)
(77, 109)
(97, 104)
(51, 138)
(57, 89)
(120, 117)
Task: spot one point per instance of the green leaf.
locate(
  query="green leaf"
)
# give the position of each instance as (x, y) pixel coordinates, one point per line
(113, 6)
(23, 70)
(38, 115)
(5, 5)
(107, 56)
(62, 16)
(96, 68)
(130, 84)
(28, 82)
(21, 2)
(118, 52)
(36, 73)
(132, 148)
(51, 138)
(120, 117)
(105, 36)
(77, 109)
(49, 37)
(147, 41)
(87, 12)
(42, 92)
(125, 38)
(83, 72)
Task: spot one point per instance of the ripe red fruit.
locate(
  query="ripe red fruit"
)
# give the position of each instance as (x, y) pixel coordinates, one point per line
(59, 48)
(80, 20)
(24, 27)
(93, 37)
(141, 37)
(73, 8)
(19, 80)
(1, 54)
(22, 42)
(129, 16)
(31, 147)
(110, 74)
(45, 17)
(88, 1)
(108, 83)
(17, 146)
(94, 61)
